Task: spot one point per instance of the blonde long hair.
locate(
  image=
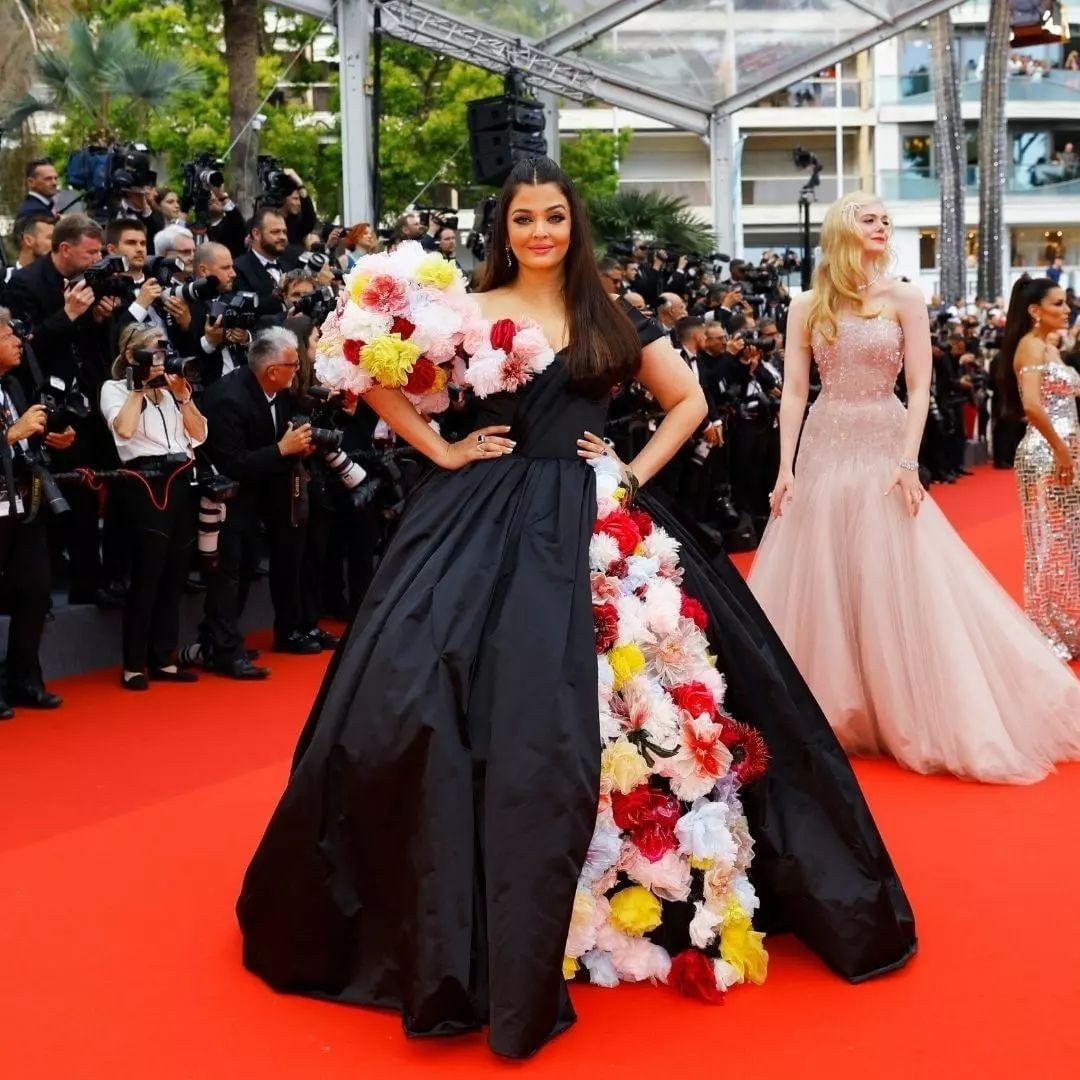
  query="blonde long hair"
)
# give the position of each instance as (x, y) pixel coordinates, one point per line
(840, 273)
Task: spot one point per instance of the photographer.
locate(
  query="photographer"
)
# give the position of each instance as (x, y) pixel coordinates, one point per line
(24, 549)
(135, 204)
(33, 238)
(670, 308)
(224, 222)
(156, 426)
(176, 242)
(221, 348)
(252, 441)
(42, 183)
(260, 268)
(408, 227)
(295, 285)
(611, 274)
(446, 245)
(297, 209)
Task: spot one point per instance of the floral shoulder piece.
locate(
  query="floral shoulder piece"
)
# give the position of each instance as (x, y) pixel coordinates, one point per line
(503, 357)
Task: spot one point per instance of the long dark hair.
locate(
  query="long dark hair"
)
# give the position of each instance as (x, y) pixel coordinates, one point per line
(1026, 291)
(302, 326)
(604, 347)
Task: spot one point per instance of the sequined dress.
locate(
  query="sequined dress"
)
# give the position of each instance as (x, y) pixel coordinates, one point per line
(910, 646)
(1052, 516)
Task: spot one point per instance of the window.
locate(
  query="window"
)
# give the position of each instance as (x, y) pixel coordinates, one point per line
(927, 250)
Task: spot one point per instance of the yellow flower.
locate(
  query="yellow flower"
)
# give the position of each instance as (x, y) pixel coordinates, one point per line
(389, 360)
(435, 270)
(442, 377)
(741, 946)
(569, 967)
(623, 765)
(635, 911)
(700, 864)
(358, 284)
(626, 661)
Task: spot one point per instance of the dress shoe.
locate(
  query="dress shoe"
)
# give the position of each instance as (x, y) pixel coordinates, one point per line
(324, 639)
(6, 711)
(179, 675)
(34, 697)
(242, 668)
(297, 643)
(135, 680)
(964, 472)
(102, 599)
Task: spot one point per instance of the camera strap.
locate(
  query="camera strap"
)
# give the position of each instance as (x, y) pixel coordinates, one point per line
(7, 451)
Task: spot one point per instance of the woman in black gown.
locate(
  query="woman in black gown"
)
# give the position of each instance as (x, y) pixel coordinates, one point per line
(427, 848)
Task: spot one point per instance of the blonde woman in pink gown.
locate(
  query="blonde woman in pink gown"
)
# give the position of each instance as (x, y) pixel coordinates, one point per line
(911, 647)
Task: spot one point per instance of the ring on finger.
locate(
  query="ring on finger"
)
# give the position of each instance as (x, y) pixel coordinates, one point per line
(481, 438)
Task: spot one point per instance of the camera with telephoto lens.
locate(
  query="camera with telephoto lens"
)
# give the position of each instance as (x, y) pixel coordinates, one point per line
(62, 406)
(317, 304)
(21, 329)
(199, 178)
(163, 271)
(237, 311)
(274, 181)
(762, 344)
(322, 438)
(108, 277)
(143, 360)
(444, 216)
(326, 410)
(314, 260)
(215, 492)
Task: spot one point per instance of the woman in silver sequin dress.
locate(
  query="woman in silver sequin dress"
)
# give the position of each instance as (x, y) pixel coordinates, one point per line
(1043, 389)
(908, 643)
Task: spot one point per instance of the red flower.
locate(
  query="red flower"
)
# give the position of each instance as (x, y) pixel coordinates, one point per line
(642, 521)
(654, 840)
(502, 334)
(692, 609)
(692, 974)
(618, 569)
(606, 621)
(422, 378)
(351, 350)
(750, 755)
(644, 806)
(403, 327)
(696, 698)
(621, 528)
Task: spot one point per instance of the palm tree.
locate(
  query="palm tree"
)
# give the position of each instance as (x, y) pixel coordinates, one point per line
(951, 147)
(992, 150)
(665, 221)
(98, 71)
(243, 25)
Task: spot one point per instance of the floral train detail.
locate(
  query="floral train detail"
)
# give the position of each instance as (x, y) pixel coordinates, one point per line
(664, 893)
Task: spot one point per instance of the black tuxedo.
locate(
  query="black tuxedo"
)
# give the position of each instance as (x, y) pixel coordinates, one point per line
(24, 560)
(231, 231)
(242, 443)
(252, 276)
(154, 221)
(211, 364)
(183, 341)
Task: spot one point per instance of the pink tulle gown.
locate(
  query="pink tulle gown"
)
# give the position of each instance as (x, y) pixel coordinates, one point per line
(910, 646)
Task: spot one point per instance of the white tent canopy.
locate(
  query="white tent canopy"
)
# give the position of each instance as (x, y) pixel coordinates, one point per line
(689, 63)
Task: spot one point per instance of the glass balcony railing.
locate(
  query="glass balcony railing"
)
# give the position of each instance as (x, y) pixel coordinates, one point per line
(774, 190)
(814, 93)
(1043, 181)
(1055, 85)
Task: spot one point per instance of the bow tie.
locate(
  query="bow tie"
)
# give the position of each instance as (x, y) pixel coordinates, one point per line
(272, 266)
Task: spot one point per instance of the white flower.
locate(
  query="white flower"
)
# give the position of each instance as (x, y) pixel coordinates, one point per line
(610, 728)
(744, 892)
(601, 968)
(603, 850)
(407, 257)
(436, 324)
(585, 921)
(359, 324)
(662, 546)
(335, 371)
(641, 571)
(632, 626)
(704, 833)
(603, 551)
(726, 975)
(608, 477)
(703, 926)
(663, 602)
(605, 678)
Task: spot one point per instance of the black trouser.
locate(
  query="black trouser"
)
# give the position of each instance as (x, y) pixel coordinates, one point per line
(159, 545)
(752, 466)
(351, 546)
(227, 589)
(24, 567)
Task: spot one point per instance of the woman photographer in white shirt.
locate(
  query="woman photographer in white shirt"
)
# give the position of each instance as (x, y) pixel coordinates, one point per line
(156, 426)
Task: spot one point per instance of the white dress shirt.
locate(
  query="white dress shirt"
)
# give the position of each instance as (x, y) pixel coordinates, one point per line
(274, 271)
(5, 505)
(161, 425)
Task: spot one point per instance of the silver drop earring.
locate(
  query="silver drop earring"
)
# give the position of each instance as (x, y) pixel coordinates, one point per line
(509, 261)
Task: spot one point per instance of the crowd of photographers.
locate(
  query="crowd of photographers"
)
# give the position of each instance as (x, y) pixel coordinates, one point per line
(164, 429)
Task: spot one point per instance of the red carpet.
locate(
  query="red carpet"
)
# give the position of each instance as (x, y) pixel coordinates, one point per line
(126, 821)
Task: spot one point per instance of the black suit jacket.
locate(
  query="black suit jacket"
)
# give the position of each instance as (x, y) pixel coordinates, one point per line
(70, 350)
(231, 231)
(32, 206)
(252, 276)
(242, 440)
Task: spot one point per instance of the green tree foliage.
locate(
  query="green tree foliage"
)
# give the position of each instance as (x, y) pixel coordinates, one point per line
(663, 220)
(589, 159)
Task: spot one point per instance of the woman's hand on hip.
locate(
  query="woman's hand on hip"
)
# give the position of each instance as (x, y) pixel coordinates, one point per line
(484, 444)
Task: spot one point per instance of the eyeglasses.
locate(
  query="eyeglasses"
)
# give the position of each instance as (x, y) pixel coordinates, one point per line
(295, 364)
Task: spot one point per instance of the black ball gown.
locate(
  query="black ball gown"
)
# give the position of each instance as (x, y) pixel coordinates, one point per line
(426, 852)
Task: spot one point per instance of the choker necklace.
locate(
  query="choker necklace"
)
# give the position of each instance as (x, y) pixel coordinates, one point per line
(871, 282)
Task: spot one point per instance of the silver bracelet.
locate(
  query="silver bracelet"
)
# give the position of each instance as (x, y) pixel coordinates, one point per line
(909, 466)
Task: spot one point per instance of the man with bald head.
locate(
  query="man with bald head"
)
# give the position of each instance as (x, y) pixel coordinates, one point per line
(670, 308)
(222, 349)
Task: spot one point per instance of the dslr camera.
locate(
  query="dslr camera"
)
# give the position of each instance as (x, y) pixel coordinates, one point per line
(238, 311)
(317, 304)
(199, 178)
(443, 216)
(108, 277)
(273, 179)
(174, 364)
(63, 407)
(164, 270)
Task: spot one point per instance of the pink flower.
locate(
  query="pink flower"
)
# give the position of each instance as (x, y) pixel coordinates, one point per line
(386, 294)
(604, 588)
(485, 371)
(515, 373)
(531, 345)
(667, 877)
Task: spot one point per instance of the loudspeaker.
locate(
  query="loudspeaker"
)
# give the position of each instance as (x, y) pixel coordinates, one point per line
(502, 131)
